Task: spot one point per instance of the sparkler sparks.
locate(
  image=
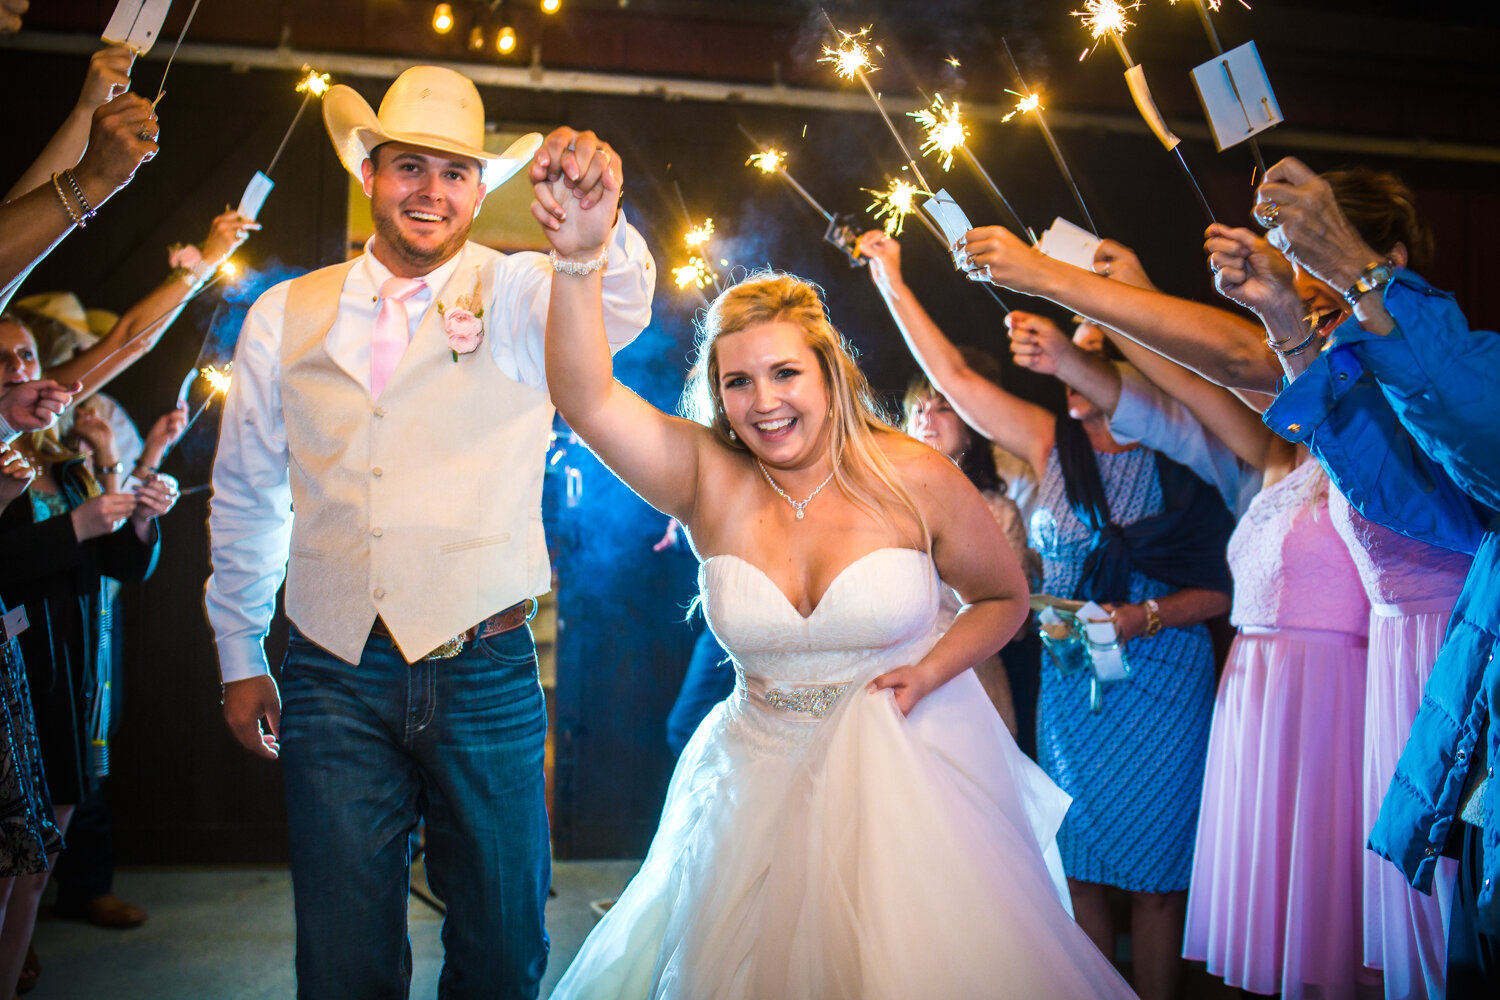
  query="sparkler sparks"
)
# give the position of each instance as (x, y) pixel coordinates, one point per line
(698, 236)
(1027, 104)
(695, 272)
(769, 161)
(218, 379)
(945, 129)
(1104, 18)
(852, 58)
(314, 83)
(894, 204)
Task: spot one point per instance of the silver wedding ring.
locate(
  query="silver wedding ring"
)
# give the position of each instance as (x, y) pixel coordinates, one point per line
(1266, 214)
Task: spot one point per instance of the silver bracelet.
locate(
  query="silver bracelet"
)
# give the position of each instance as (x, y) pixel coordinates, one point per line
(562, 266)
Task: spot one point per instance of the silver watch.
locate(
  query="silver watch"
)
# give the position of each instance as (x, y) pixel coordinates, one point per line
(1374, 276)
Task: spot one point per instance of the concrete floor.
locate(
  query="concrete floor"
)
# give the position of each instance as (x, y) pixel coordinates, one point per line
(226, 934)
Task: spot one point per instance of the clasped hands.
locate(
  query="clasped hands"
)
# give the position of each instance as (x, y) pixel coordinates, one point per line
(577, 179)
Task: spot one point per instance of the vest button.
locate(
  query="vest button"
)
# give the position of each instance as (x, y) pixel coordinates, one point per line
(380, 411)
(377, 472)
(379, 593)
(376, 532)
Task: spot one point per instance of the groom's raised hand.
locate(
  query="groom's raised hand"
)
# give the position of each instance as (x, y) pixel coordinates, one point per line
(246, 703)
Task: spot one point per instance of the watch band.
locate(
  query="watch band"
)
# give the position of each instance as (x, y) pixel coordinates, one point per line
(1376, 275)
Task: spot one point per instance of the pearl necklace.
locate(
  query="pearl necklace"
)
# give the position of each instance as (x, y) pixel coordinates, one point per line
(797, 505)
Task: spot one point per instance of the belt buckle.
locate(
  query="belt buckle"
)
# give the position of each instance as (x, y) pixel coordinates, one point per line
(447, 650)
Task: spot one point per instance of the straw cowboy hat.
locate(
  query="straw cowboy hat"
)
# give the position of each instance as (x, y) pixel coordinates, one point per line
(60, 324)
(427, 106)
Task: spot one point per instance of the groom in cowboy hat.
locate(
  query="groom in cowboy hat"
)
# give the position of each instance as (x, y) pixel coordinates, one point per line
(398, 403)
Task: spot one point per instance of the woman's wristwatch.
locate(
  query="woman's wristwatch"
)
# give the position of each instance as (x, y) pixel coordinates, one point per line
(1153, 617)
(1375, 276)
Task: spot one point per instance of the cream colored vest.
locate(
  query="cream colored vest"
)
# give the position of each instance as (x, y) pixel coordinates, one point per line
(422, 507)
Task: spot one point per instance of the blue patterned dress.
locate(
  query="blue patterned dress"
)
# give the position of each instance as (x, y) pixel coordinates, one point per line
(1135, 769)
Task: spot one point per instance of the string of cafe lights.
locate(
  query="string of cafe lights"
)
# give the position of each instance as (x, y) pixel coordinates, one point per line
(491, 27)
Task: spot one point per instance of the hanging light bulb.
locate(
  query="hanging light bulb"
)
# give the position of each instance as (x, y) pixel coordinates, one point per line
(551, 6)
(505, 40)
(476, 38)
(442, 18)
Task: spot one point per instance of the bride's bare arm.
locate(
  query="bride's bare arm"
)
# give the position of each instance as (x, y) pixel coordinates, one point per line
(655, 454)
(974, 558)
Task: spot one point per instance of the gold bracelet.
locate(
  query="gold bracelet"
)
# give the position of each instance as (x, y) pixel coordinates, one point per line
(66, 204)
(83, 203)
(1153, 617)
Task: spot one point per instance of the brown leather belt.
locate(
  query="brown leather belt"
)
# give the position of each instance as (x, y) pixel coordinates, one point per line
(511, 618)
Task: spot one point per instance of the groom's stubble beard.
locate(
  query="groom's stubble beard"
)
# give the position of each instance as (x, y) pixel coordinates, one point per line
(422, 259)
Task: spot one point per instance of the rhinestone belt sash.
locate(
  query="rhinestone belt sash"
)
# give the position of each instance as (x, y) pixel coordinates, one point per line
(795, 702)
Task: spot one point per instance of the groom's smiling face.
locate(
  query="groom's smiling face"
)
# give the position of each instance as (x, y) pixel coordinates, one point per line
(422, 202)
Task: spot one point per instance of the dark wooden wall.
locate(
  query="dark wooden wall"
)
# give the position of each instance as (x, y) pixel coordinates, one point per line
(185, 794)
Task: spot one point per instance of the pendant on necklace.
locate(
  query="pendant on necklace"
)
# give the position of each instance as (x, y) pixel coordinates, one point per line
(799, 513)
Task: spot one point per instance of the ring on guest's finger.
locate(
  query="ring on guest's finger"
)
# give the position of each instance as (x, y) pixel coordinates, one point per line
(1266, 214)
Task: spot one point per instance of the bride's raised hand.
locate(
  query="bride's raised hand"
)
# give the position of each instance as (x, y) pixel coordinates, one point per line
(578, 213)
(909, 685)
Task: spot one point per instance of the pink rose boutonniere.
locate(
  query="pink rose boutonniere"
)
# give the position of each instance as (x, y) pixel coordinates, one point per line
(462, 321)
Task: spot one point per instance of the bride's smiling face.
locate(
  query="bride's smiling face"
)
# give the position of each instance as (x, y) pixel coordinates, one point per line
(774, 393)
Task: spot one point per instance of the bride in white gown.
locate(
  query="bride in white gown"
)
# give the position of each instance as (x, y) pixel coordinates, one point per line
(854, 821)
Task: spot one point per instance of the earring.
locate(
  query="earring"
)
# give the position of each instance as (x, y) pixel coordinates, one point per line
(732, 435)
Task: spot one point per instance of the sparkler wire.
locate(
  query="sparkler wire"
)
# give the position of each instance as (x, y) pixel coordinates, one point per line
(1057, 153)
(162, 87)
(143, 331)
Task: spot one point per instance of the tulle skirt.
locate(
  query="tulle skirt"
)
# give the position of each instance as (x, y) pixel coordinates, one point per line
(883, 858)
(1276, 904)
(1406, 931)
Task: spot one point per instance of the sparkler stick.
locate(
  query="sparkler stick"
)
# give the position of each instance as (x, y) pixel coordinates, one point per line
(773, 161)
(850, 60)
(162, 87)
(313, 84)
(1107, 18)
(1203, 7)
(946, 134)
(1031, 104)
(218, 383)
(226, 270)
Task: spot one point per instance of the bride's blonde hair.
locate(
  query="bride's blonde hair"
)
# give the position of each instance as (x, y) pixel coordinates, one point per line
(860, 467)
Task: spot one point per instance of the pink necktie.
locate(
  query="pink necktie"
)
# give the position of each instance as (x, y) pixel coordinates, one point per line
(392, 331)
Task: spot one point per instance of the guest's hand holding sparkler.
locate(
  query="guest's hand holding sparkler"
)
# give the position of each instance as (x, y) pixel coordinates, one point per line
(108, 77)
(583, 161)
(169, 427)
(1249, 271)
(1120, 263)
(34, 405)
(226, 234)
(101, 515)
(124, 135)
(1039, 345)
(884, 253)
(94, 434)
(15, 475)
(153, 499)
(1000, 257)
(1304, 221)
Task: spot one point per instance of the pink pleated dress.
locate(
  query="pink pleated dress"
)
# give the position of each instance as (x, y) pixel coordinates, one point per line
(1276, 900)
(1412, 588)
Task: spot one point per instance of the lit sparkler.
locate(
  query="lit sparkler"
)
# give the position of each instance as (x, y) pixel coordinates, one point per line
(769, 161)
(695, 272)
(1108, 18)
(1030, 103)
(852, 58)
(312, 84)
(946, 130)
(851, 61)
(947, 134)
(773, 161)
(698, 236)
(218, 380)
(894, 204)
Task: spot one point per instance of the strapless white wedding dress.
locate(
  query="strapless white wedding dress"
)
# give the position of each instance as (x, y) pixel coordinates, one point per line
(816, 845)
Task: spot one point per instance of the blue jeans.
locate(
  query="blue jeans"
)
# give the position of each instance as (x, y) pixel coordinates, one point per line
(708, 681)
(369, 751)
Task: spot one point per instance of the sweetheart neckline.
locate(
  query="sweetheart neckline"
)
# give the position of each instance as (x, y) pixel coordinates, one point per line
(831, 583)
